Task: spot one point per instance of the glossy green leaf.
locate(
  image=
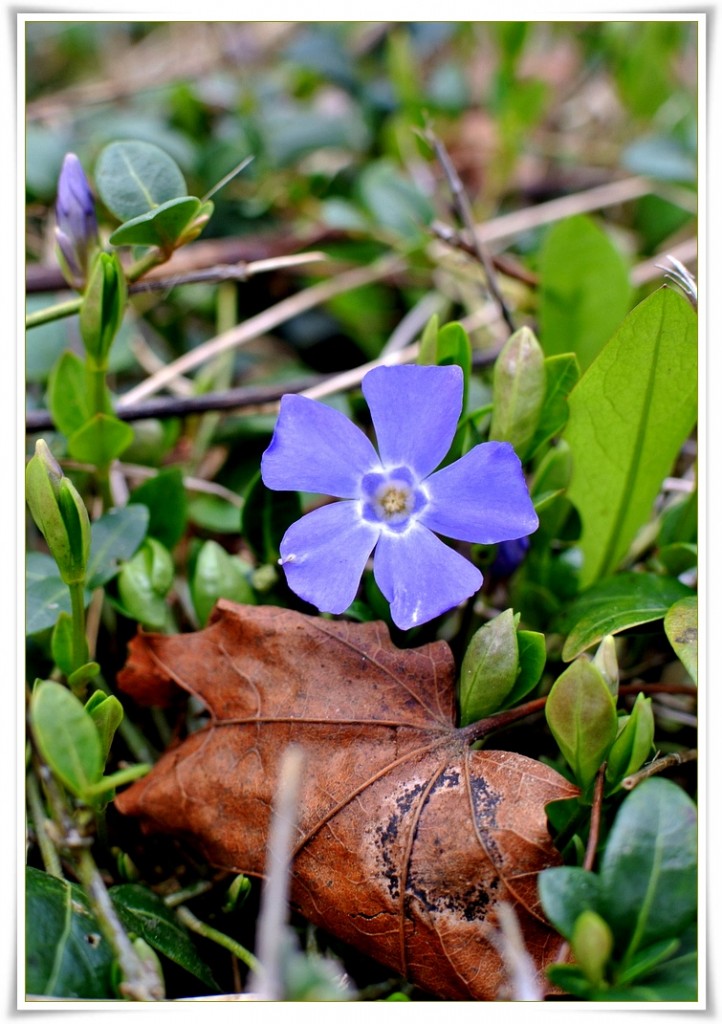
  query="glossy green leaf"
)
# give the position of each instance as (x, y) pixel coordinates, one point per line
(162, 226)
(106, 712)
(214, 514)
(678, 522)
(565, 893)
(676, 559)
(66, 955)
(61, 643)
(680, 625)
(165, 498)
(218, 574)
(585, 289)
(45, 599)
(649, 866)
(519, 390)
(489, 668)
(144, 914)
(446, 346)
(100, 440)
(115, 537)
(143, 583)
(562, 374)
(265, 517)
(581, 714)
(610, 606)
(394, 201)
(628, 418)
(134, 177)
(68, 396)
(66, 736)
(633, 744)
(532, 659)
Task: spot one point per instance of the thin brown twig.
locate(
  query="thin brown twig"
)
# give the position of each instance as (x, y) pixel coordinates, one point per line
(595, 820)
(660, 764)
(262, 323)
(462, 206)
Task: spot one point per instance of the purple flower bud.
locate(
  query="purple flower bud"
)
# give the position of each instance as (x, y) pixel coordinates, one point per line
(509, 556)
(76, 230)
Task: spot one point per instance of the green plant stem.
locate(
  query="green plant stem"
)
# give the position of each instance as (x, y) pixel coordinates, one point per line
(201, 928)
(47, 849)
(50, 313)
(140, 981)
(96, 387)
(144, 264)
(79, 640)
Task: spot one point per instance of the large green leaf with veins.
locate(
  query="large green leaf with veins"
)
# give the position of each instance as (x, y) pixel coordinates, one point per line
(628, 417)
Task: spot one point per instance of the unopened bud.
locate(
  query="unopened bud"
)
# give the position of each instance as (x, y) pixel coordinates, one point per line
(76, 230)
(59, 513)
(103, 306)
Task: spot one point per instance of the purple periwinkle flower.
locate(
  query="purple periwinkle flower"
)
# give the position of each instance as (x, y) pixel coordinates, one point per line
(76, 229)
(393, 503)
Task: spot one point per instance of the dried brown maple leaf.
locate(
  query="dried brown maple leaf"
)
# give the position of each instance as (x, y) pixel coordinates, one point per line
(407, 838)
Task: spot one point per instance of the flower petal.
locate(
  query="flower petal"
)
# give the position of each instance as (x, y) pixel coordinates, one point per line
(415, 410)
(420, 576)
(481, 498)
(316, 448)
(324, 554)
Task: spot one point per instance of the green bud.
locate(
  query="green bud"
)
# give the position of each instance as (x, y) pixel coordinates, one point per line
(237, 894)
(606, 661)
(59, 513)
(103, 306)
(592, 943)
(633, 743)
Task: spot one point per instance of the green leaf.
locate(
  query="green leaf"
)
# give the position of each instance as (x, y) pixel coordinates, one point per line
(61, 644)
(519, 389)
(393, 201)
(626, 600)
(213, 514)
(165, 498)
(45, 600)
(143, 913)
(100, 440)
(680, 625)
(649, 867)
(676, 559)
(265, 517)
(143, 583)
(66, 955)
(562, 374)
(68, 395)
(628, 418)
(585, 289)
(633, 743)
(565, 893)
(162, 226)
(448, 346)
(218, 574)
(581, 714)
(489, 668)
(134, 177)
(115, 537)
(532, 659)
(106, 712)
(66, 736)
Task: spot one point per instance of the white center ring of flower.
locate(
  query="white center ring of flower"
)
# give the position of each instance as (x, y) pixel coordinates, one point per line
(391, 498)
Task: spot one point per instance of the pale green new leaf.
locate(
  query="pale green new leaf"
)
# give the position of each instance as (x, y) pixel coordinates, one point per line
(628, 418)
